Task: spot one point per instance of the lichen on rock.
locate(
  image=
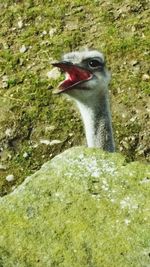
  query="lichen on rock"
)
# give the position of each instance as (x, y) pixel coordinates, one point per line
(85, 207)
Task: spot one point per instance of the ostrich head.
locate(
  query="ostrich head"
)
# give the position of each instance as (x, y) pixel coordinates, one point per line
(86, 75)
(86, 82)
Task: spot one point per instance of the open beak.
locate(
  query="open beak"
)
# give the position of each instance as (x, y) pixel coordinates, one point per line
(74, 75)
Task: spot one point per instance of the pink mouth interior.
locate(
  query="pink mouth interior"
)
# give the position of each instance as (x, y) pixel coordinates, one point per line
(74, 75)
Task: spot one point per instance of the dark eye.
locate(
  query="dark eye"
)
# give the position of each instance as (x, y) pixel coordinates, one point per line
(93, 63)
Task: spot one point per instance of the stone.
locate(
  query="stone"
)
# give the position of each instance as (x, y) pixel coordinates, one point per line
(20, 24)
(23, 49)
(85, 207)
(52, 32)
(145, 77)
(10, 178)
(53, 74)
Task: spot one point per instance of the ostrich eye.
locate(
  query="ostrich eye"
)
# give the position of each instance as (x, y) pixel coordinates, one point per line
(94, 63)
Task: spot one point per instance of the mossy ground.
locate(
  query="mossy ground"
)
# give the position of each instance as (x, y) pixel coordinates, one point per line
(28, 110)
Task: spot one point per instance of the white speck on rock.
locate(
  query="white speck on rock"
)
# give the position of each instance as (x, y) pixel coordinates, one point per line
(10, 178)
(81, 156)
(129, 203)
(146, 180)
(92, 167)
(59, 196)
(127, 221)
(95, 174)
(105, 186)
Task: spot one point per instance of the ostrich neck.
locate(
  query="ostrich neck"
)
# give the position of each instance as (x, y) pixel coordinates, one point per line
(97, 122)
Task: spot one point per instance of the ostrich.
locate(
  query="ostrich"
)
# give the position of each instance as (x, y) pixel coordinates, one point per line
(86, 82)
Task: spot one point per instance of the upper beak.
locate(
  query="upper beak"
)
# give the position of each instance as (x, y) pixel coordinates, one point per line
(62, 64)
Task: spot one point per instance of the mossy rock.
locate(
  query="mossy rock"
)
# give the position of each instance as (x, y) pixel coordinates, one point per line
(85, 207)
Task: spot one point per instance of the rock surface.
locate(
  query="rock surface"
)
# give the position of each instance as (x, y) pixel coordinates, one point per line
(83, 208)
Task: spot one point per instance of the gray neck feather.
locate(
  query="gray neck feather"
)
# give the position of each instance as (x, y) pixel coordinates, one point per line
(97, 121)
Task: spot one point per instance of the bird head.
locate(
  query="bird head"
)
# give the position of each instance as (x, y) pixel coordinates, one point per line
(85, 74)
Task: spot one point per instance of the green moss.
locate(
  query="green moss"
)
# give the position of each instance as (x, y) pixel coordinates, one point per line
(67, 215)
